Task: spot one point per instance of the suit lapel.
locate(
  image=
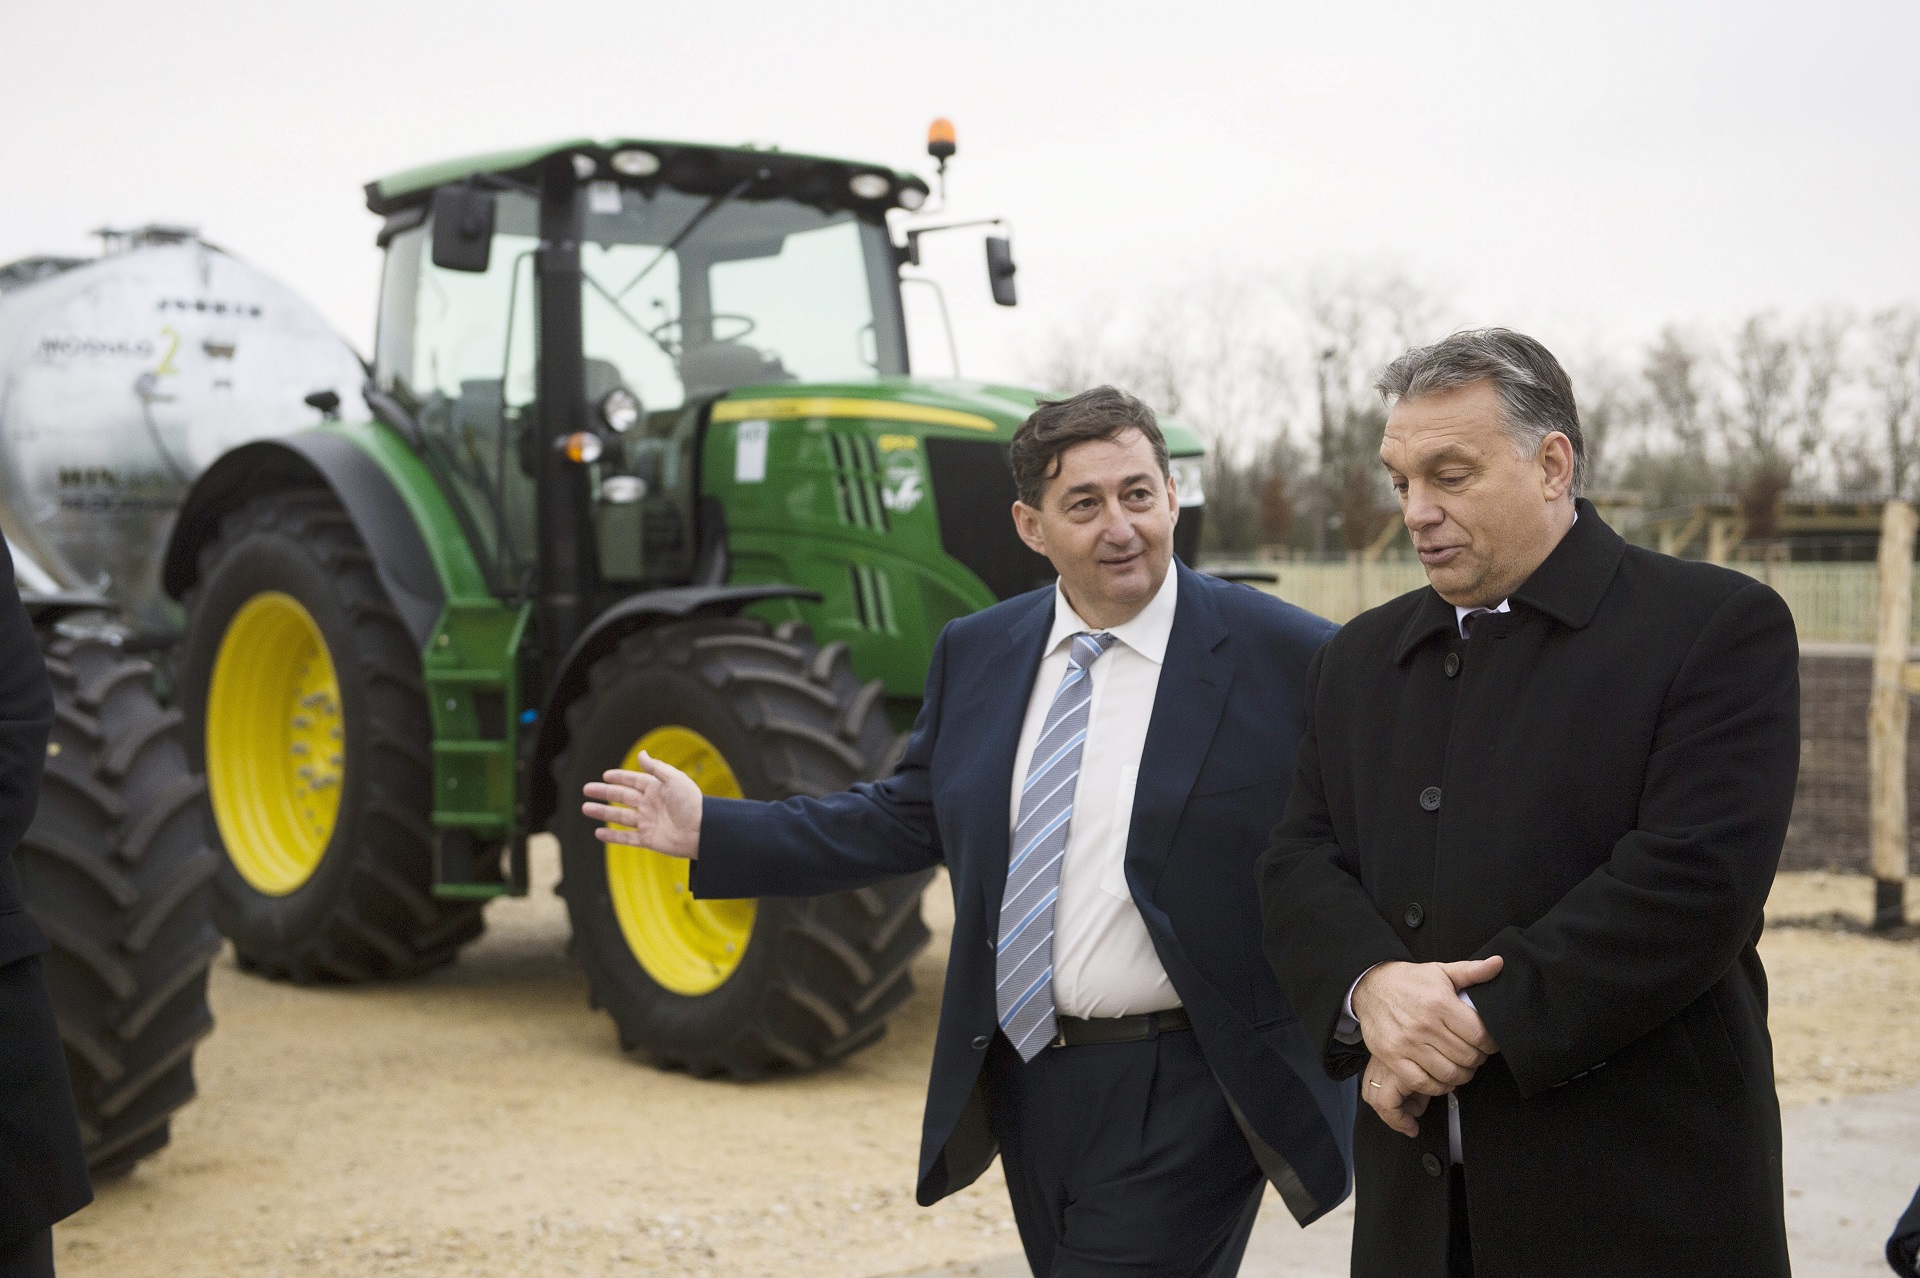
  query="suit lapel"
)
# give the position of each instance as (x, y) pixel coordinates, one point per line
(1194, 679)
(999, 706)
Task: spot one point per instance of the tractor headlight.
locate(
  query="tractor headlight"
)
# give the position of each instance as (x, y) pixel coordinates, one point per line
(635, 163)
(911, 198)
(622, 490)
(1188, 480)
(869, 186)
(619, 409)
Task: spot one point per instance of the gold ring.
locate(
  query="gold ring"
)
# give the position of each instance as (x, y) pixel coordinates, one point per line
(1373, 1084)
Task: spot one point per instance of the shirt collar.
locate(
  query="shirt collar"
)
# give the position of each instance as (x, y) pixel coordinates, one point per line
(1460, 614)
(1147, 633)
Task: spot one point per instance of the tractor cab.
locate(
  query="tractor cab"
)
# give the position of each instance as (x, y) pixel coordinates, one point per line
(685, 272)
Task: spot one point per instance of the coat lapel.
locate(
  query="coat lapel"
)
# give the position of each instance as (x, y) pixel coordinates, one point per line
(1194, 679)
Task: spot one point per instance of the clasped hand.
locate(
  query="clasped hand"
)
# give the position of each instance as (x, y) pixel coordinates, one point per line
(657, 807)
(1424, 1040)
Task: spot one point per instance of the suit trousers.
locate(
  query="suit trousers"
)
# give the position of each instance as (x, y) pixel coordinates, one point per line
(1122, 1158)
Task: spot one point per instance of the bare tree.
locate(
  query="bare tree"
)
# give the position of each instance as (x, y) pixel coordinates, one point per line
(1783, 383)
(1892, 375)
(1356, 324)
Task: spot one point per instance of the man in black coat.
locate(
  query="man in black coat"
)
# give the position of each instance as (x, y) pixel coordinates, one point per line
(1536, 816)
(43, 1171)
(1107, 1026)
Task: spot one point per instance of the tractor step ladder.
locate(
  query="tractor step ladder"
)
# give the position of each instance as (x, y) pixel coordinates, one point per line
(473, 695)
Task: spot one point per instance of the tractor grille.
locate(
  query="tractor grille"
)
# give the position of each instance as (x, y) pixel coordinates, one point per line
(872, 599)
(856, 475)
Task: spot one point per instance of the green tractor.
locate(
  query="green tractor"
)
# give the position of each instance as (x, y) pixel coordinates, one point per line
(647, 470)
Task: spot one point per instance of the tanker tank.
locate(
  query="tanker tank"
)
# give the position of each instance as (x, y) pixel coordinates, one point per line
(122, 377)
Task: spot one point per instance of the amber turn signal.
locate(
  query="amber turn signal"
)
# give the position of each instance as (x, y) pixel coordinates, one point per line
(582, 446)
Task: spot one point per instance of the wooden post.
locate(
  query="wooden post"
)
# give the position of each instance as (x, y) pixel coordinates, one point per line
(1887, 717)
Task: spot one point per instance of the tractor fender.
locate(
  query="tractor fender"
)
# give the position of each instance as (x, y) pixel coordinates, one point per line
(649, 608)
(379, 513)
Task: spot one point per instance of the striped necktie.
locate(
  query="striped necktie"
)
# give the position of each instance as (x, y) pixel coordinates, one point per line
(1023, 967)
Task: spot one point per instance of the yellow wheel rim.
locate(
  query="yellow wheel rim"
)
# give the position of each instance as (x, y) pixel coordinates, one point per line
(276, 746)
(687, 946)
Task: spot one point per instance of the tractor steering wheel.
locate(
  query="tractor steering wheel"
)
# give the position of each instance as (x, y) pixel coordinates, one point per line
(659, 332)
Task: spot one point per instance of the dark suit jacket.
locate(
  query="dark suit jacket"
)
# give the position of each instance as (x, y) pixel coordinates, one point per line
(43, 1173)
(1219, 750)
(1594, 786)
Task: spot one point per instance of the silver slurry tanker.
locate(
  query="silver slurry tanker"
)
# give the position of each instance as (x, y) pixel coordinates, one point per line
(121, 378)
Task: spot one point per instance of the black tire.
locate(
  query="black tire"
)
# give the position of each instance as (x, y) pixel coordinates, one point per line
(819, 975)
(367, 911)
(116, 871)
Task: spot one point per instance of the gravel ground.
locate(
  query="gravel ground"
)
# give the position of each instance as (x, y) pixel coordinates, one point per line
(482, 1121)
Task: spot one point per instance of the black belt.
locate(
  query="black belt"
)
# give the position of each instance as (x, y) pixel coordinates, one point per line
(1075, 1032)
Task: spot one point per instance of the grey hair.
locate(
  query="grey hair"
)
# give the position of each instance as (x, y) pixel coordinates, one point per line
(1536, 397)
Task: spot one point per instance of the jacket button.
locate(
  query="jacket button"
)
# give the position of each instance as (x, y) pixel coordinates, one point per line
(1451, 665)
(980, 1044)
(1430, 798)
(1432, 1163)
(1415, 915)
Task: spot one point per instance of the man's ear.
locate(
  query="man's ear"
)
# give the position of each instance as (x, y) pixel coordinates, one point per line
(1026, 522)
(1556, 466)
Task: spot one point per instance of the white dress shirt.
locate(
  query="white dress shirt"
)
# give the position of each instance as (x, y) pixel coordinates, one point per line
(1103, 960)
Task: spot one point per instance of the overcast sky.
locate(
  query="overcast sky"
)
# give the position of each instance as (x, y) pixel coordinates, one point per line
(1586, 172)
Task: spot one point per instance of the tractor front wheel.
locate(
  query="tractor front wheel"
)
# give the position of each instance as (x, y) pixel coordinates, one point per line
(739, 989)
(307, 714)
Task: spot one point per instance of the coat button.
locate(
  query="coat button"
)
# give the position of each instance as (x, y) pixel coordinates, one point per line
(1432, 1163)
(1430, 798)
(1415, 915)
(980, 1044)
(1451, 665)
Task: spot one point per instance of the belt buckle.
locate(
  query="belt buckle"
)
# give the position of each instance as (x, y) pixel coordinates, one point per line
(1059, 1036)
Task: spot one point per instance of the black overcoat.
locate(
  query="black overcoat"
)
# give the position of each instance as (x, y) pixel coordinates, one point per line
(43, 1173)
(1595, 786)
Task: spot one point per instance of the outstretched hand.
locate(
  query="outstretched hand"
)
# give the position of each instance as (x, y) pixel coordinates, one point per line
(657, 807)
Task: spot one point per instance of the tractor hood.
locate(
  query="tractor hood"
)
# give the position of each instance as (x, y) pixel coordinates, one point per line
(970, 406)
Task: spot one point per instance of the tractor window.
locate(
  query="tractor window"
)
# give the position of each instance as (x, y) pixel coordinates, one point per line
(687, 295)
(457, 350)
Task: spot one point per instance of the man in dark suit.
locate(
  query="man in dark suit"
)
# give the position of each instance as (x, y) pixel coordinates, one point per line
(1094, 764)
(43, 1170)
(1537, 813)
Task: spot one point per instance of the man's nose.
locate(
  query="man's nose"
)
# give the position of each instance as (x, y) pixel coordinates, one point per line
(1118, 529)
(1422, 512)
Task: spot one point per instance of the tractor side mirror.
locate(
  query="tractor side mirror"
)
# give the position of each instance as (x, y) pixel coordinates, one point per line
(462, 228)
(1000, 269)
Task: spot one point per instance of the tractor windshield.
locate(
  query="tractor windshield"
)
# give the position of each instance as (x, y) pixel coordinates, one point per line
(687, 295)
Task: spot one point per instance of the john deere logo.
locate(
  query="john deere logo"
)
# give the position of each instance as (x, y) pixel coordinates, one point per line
(902, 488)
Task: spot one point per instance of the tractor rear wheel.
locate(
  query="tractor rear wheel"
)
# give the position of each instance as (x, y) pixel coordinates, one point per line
(308, 716)
(739, 989)
(115, 869)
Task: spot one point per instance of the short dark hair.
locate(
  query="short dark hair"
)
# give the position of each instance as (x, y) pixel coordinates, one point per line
(1058, 424)
(1536, 396)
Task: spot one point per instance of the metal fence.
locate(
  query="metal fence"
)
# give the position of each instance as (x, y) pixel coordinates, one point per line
(1831, 602)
